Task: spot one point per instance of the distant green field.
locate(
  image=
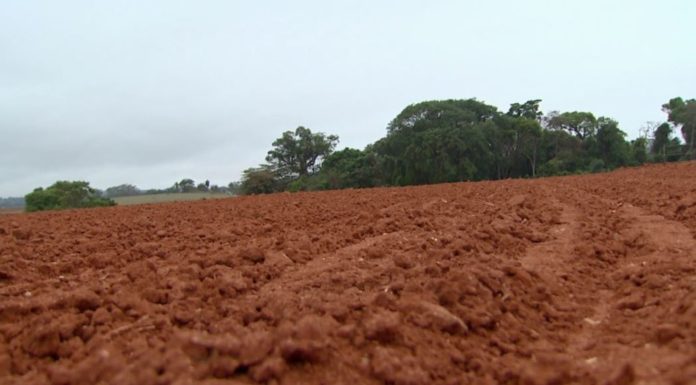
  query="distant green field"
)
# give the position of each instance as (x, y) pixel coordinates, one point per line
(162, 198)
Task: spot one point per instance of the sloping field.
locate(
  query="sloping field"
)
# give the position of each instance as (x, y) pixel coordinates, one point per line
(169, 197)
(7, 210)
(576, 280)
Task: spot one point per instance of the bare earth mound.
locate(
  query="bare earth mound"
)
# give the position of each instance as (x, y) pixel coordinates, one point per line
(576, 280)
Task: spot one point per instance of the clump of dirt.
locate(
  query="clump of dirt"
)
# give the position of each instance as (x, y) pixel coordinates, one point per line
(585, 280)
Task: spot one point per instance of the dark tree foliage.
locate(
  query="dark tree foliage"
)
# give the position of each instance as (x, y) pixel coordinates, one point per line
(186, 185)
(261, 180)
(438, 141)
(639, 151)
(122, 190)
(456, 140)
(299, 153)
(683, 115)
(610, 144)
(65, 195)
(351, 168)
(529, 109)
(661, 139)
(581, 124)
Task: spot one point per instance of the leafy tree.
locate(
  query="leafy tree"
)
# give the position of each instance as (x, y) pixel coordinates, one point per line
(426, 115)
(187, 185)
(260, 180)
(661, 139)
(202, 187)
(351, 168)
(682, 114)
(639, 150)
(516, 138)
(438, 141)
(529, 109)
(235, 188)
(529, 135)
(580, 124)
(561, 153)
(299, 153)
(611, 145)
(122, 190)
(64, 195)
(503, 140)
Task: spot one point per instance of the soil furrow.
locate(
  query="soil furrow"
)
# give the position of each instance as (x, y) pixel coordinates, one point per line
(575, 280)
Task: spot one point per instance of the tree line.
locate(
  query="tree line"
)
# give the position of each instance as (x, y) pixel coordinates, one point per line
(79, 194)
(467, 140)
(435, 141)
(186, 185)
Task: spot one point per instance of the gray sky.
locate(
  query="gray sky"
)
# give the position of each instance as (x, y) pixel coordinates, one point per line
(150, 92)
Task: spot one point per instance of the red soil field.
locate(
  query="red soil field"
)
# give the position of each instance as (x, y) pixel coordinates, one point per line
(571, 280)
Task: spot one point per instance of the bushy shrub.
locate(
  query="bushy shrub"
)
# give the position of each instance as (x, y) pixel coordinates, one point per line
(596, 165)
(65, 195)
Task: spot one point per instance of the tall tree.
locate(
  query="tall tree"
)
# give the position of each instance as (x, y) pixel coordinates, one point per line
(439, 113)
(351, 168)
(260, 180)
(581, 124)
(187, 185)
(122, 190)
(683, 114)
(299, 153)
(611, 144)
(661, 139)
(639, 150)
(528, 117)
(438, 141)
(529, 109)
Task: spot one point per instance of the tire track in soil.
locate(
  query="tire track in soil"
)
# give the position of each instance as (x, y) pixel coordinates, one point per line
(606, 305)
(551, 281)
(555, 262)
(650, 347)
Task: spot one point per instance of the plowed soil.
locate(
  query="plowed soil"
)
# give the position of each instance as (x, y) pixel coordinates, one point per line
(573, 280)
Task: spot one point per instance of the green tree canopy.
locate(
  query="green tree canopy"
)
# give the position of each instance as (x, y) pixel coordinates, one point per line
(661, 138)
(260, 180)
(580, 124)
(299, 153)
(440, 113)
(65, 195)
(453, 140)
(438, 141)
(186, 185)
(523, 122)
(682, 114)
(122, 190)
(529, 109)
(351, 168)
(639, 150)
(611, 145)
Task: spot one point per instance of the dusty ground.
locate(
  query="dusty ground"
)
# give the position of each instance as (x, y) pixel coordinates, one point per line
(578, 280)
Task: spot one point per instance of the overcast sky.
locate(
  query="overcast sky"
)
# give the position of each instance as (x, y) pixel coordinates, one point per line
(150, 92)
